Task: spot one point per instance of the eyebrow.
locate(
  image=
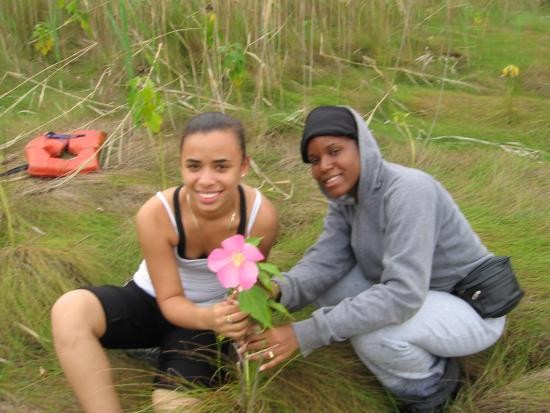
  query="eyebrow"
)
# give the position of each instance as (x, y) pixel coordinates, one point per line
(329, 147)
(216, 161)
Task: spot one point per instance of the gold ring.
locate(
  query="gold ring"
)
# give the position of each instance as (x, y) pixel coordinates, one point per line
(228, 319)
(270, 354)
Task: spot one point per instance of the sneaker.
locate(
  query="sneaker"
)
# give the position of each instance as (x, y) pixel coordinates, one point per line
(446, 391)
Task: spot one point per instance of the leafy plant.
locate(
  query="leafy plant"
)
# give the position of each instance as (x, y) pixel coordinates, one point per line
(146, 103)
(237, 267)
(43, 38)
(146, 107)
(76, 13)
(234, 63)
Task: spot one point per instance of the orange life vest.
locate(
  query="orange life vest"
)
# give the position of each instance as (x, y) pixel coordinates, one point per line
(44, 153)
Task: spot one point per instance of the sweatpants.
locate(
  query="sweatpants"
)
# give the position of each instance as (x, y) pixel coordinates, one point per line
(409, 359)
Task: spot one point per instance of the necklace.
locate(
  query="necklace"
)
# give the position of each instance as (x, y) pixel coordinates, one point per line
(196, 222)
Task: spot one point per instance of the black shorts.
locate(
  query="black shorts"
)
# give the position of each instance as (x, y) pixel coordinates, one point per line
(134, 321)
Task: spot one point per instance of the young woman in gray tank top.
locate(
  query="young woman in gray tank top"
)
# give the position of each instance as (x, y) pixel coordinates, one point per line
(173, 301)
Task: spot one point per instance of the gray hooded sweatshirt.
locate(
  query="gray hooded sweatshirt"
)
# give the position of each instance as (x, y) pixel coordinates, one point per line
(405, 233)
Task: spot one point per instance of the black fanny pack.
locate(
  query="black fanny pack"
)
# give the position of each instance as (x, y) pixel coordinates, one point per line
(491, 288)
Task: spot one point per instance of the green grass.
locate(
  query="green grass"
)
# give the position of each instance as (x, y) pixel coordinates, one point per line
(83, 232)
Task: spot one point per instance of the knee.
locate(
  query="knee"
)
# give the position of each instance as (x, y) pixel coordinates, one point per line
(380, 350)
(75, 312)
(70, 306)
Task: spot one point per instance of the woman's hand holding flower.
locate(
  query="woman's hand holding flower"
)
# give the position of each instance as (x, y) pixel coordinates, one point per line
(227, 319)
(281, 342)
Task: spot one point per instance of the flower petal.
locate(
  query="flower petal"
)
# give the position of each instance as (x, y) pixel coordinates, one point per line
(234, 243)
(248, 274)
(218, 258)
(228, 276)
(252, 253)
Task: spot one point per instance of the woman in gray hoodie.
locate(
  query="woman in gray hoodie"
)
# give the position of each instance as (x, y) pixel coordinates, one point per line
(393, 247)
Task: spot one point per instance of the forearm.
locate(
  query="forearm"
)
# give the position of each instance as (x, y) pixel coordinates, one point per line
(183, 313)
(375, 308)
(225, 317)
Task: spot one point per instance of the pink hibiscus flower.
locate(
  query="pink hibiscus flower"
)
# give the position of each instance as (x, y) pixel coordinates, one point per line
(235, 263)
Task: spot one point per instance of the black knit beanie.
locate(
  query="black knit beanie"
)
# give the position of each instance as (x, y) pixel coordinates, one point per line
(327, 121)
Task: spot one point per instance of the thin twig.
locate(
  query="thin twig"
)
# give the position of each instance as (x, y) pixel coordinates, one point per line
(30, 332)
(445, 68)
(15, 178)
(514, 148)
(67, 60)
(373, 111)
(259, 172)
(19, 137)
(44, 85)
(402, 69)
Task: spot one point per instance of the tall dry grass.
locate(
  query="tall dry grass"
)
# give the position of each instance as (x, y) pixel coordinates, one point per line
(281, 39)
(297, 54)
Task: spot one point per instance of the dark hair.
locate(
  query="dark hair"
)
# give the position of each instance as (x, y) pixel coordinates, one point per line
(211, 121)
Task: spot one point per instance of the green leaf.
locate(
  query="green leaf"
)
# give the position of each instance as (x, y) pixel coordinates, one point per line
(84, 21)
(72, 7)
(279, 308)
(253, 241)
(269, 268)
(210, 28)
(254, 301)
(265, 280)
(134, 83)
(147, 92)
(234, 62)
(154, 122)
(145, 102)
(44, 40)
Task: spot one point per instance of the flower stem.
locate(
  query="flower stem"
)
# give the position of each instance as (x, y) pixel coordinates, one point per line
(252, 393)
(247, 374)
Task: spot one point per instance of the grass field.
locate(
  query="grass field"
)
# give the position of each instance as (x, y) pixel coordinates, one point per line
(428, 75)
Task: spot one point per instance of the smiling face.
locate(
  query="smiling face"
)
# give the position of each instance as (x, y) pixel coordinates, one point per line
(211, 165)
(335, 164)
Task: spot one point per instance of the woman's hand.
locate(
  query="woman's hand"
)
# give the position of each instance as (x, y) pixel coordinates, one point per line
(228, 320)
(281, 342)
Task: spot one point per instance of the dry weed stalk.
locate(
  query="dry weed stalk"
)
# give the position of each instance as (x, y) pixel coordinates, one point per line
(74, 57)
(425, 77)
(373, 111)
(63, 62)
(265, 178)
(445, 67)
(515, 148)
